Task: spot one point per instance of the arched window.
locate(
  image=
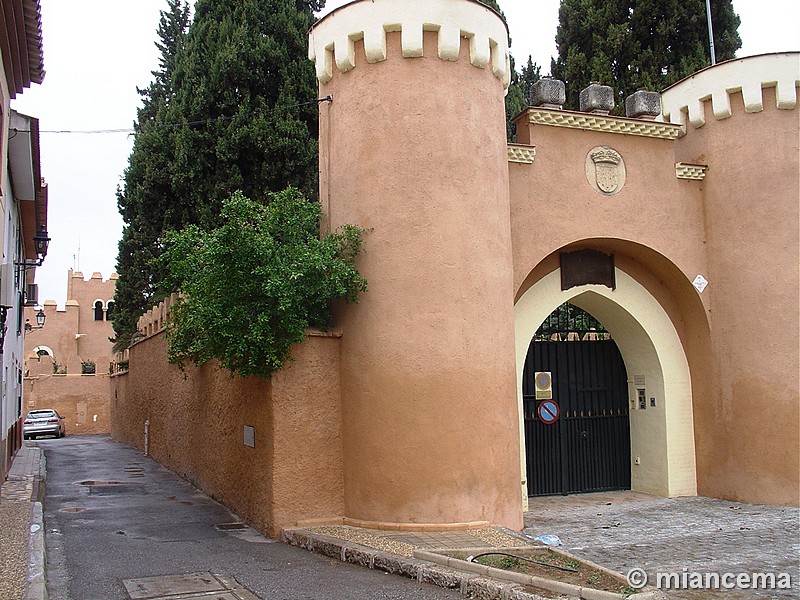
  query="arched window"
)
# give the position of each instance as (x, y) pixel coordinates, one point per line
(110, 310)
(98, 310)
(43, 351)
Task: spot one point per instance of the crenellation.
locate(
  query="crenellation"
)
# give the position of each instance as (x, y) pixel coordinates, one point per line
(685, 101)
(332, 40)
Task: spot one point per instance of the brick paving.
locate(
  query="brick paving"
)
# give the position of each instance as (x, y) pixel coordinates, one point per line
(624, 530)
(16, 495)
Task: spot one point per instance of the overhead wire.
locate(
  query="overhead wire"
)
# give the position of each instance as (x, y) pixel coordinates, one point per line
(153, 127)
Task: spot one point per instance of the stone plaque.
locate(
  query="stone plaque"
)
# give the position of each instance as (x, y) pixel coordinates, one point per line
(605, 170)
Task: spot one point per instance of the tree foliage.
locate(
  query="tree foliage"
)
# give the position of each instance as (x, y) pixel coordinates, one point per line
(146, 191)
(231, 107)
(638, 44)
(518, 95)
(256, 282)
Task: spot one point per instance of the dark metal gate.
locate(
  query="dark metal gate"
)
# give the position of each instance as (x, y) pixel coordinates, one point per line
(588, 448)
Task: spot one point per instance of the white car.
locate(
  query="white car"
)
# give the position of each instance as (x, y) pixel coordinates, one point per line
(43, 422)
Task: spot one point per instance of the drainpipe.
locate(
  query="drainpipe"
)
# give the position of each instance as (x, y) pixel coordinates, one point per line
(147, 437)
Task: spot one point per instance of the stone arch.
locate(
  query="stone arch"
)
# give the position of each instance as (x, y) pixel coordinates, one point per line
(42, 350)
(651, 348)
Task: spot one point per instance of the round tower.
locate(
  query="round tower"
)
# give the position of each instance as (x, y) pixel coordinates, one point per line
(413, 149)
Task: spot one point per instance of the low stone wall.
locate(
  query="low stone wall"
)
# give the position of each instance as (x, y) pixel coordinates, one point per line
(201, 422)
(81, 399)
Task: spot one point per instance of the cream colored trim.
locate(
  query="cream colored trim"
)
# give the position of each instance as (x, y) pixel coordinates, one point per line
(748, 75)
(662, 436)
(332, 39)
(690, 171)
(591, 122)
(521, 154)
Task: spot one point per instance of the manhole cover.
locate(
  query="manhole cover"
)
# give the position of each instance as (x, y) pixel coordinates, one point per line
(192, 585)
(72, 510)
(96, 482)
(231, 526)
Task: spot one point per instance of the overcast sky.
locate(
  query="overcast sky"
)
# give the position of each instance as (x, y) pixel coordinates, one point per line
(96, 53)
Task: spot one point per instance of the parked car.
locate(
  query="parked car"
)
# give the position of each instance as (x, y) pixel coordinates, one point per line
(43, 422)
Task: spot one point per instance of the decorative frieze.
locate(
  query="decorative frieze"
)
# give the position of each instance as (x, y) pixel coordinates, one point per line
(521, 154)
(592, 122)
(690, 171)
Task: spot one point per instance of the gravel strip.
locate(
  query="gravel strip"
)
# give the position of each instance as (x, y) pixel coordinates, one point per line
(14, 522)
(359, 536)
(497, 539)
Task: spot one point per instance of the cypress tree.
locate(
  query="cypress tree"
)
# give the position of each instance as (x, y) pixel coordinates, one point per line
(630, 44)
(146, 190)
(247, 92)
(231, 107)
(517, 97)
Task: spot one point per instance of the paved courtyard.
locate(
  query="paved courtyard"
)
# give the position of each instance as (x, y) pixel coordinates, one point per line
(627, 530)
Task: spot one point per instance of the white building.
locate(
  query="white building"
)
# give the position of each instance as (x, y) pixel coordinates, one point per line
(23, 206)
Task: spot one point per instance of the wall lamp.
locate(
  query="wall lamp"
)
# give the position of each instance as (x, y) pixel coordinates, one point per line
(40, 243)
(40, 318)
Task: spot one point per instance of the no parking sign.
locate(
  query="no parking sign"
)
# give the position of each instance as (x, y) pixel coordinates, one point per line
(549, 412)
(544, 385)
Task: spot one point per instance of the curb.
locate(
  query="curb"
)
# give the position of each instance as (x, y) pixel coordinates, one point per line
(471, 585)
(36, 588)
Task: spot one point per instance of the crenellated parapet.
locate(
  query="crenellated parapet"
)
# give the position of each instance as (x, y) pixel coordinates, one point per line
(155, 319)
(332, 40)
(686, 99)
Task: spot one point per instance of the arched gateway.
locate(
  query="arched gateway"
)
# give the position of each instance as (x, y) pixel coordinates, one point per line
(662, 452)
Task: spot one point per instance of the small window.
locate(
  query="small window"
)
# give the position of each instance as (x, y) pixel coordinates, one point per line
(98, 311)
(110, 311)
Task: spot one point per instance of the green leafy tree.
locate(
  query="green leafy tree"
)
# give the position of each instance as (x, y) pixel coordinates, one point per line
(255, 283)
(530, 74)
(638, 44)
(516, 100)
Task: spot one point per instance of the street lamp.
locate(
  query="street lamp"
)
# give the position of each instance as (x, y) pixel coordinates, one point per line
(40, 317)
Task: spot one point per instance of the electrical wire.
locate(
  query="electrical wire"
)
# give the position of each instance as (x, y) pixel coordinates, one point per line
(148, 128)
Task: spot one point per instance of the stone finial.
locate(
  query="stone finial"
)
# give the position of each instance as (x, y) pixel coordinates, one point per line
(597, 99)
(548, 93)
(643, 105)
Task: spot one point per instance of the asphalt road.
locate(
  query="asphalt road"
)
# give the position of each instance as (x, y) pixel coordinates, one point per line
(155, 524)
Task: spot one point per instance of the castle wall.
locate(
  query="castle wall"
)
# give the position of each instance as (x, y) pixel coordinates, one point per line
(81, 399)
(748, 439)
(196, 423)
(428, 402)
(73, 334)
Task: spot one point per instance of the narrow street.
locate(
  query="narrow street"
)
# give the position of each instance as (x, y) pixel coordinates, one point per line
(113, 515)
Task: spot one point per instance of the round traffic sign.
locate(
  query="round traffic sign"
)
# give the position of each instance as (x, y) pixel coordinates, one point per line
(543, 380)
(549, 412)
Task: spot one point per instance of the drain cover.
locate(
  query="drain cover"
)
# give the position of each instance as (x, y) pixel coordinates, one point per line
(96, 482)
(72, 510)
(190, 586)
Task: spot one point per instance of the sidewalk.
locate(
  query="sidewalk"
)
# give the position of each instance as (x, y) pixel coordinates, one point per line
(21, 527)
